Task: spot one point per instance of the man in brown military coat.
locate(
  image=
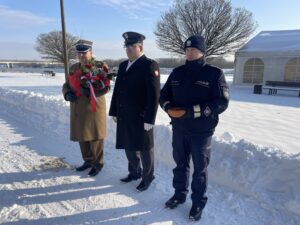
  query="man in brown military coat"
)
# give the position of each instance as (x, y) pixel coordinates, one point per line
(85, 89)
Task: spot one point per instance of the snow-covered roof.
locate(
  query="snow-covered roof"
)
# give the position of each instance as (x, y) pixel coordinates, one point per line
(273, 41)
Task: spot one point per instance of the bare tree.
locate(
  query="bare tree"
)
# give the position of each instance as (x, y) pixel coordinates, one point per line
(113, 62)
(170, 62)
(50, 46)
(225, 29)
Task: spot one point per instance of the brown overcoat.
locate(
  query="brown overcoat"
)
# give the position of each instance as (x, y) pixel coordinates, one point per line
(86, 125)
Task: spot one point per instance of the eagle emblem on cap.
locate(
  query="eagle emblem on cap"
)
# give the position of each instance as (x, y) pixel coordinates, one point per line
(126, 36)
(188, 43)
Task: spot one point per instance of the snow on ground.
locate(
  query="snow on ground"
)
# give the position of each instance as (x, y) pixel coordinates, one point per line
(253, 180)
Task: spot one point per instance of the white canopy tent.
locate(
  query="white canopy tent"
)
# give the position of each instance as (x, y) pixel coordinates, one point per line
(270, 55)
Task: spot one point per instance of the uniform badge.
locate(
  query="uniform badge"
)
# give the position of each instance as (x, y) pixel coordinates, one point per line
(207, 111)
(156, 73)
(188, 43)
(126, 36)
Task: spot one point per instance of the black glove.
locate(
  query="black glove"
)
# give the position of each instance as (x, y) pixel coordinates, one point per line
(85, 91)
(70, 96)
(110, 76)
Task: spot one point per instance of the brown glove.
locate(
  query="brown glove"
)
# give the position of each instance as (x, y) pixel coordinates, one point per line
(176, 112)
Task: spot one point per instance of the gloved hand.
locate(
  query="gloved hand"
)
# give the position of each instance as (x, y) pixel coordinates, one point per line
(85, 91)
(148, 126)
(99, 85)
(176, 112)
(115, 119)
(70, 96)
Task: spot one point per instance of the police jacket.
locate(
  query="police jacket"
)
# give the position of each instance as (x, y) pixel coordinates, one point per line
(201, 90)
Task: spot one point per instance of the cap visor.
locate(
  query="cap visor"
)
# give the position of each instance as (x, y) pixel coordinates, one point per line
(83, 48)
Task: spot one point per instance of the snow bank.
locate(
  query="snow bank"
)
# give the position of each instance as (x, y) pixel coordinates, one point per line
(267, 174)
(38, 110)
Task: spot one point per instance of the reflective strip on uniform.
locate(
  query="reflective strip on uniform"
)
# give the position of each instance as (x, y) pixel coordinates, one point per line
(197, 111)
(165, 103)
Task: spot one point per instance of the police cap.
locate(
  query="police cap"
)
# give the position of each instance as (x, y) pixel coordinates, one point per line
(83, 45)
(133, 38)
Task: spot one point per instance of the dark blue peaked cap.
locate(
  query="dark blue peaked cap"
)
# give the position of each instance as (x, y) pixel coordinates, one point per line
(133, 38)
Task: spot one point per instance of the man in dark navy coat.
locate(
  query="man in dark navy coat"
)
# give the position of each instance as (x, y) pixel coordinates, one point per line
(193, 96)
(133, 107)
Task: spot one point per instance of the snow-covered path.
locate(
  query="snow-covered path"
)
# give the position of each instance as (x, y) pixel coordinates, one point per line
(39, 187)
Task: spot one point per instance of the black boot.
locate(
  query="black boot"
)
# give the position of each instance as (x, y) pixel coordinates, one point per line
(129, 178)
(173, 202)
(83, 167)
(94, 171)
(195, 213)
(144, 185)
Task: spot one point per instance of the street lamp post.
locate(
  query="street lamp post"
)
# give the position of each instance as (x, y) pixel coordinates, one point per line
(63, 26)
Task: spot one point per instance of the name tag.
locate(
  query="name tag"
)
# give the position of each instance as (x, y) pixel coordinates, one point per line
(202, 83)
(174, 82)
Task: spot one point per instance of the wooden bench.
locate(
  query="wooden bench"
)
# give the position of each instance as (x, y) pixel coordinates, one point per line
(48, 72)
(274, 86)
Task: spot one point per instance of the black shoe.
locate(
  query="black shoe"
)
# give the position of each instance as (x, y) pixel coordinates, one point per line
(173, 202)
(94, 171)
(83, 167)
(195, 213)
(129, 178)
(144, 185)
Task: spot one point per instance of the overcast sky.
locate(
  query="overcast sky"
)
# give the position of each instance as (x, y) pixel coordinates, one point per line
(104, 21)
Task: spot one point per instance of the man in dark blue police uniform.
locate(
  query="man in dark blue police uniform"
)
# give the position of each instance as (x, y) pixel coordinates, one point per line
(193, 96)
(134, 106)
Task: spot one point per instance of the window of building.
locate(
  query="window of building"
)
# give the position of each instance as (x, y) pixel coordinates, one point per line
(292, 70)
(253, 71)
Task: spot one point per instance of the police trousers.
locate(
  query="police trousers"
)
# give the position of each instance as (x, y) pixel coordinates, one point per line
(185, 147)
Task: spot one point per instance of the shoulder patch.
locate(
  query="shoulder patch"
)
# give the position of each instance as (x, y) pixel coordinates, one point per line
(156, 73)
(226, 93)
